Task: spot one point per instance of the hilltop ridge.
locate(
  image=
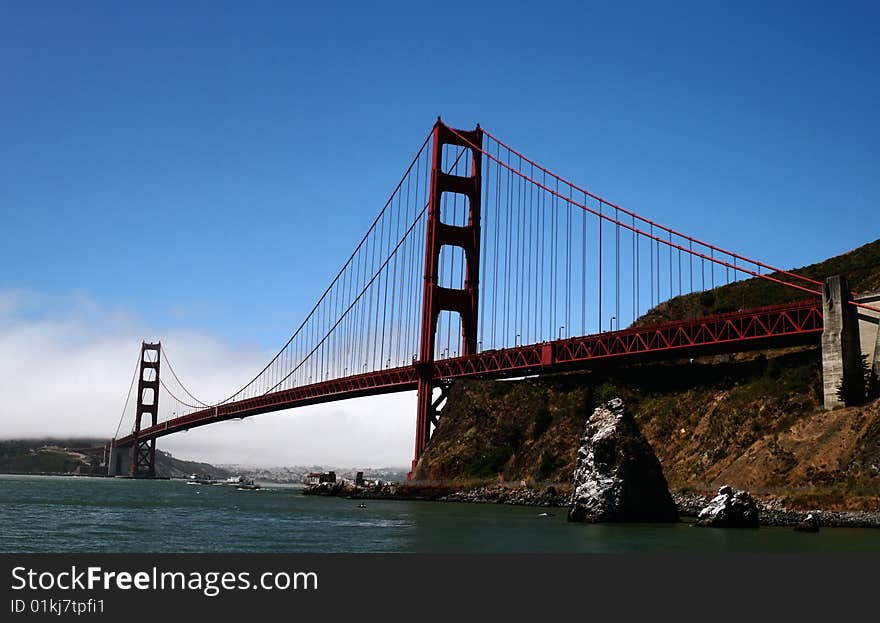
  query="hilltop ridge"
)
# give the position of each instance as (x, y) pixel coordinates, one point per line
(82, 456)
(860, 265)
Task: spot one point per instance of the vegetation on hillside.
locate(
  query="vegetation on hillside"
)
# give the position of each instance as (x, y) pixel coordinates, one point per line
(84, 456)
(47, 456)
(861, 267)
(708, 423)
(531, 428)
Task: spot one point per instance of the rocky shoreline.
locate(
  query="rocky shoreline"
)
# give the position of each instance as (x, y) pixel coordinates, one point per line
(771, 510)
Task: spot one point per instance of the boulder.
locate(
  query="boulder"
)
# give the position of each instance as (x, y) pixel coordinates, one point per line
(617, 476)
(807, 524)
(729, 509)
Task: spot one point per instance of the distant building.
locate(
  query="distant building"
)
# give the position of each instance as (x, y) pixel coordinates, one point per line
(359, 479)
(316, 478)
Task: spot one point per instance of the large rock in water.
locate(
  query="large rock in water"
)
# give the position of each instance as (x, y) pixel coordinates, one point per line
(617, 476)
(730, 509)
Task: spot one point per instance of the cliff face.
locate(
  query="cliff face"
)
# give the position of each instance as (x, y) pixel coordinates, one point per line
(753, 422)
(517, 430)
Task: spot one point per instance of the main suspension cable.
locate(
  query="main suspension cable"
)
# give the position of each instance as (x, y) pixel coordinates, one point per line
(128, 396)
(332, 283)
(658, 239)
(182, 386)
(633, 214)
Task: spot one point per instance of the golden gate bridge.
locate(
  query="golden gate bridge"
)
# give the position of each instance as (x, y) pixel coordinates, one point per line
(484, 264)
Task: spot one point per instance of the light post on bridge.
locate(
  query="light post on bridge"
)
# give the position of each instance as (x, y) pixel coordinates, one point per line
(561, 327)
(611, 323)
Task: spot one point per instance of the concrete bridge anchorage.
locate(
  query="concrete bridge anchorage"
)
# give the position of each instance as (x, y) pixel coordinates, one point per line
(850, 343)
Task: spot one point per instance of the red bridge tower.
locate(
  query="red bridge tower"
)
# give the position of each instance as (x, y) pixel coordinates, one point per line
(436, 298)
(143, 453)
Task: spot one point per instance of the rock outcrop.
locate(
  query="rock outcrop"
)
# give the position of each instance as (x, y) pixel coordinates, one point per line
(729, 509)
(520, 496)
(617, 477)
(807, 524)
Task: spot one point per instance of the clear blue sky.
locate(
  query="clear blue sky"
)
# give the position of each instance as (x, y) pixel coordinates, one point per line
(211, 165)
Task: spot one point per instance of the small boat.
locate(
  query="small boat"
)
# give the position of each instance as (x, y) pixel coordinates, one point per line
(196, 479)
(362, 505)
(247, 484)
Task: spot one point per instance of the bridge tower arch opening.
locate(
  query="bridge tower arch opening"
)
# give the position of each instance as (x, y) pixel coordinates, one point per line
(436, 298)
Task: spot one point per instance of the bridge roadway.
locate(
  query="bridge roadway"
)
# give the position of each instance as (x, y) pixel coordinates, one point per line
(768, 327)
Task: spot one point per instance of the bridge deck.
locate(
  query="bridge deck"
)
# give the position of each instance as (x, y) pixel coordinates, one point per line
(781, 325)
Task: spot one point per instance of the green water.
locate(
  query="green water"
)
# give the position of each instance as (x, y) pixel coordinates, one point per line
(62, 514)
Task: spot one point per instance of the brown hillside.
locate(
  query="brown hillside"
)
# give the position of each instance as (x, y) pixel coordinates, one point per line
(751, 420)
(748, 421)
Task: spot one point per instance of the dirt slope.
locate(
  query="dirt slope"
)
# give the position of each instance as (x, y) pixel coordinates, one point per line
(750, 421)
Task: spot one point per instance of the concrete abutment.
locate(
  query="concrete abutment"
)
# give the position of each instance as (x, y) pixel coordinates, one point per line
(843, 346)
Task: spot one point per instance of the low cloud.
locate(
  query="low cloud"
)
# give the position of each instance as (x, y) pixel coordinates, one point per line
(67, 364)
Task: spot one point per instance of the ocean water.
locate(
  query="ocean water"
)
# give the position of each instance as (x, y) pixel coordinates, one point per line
(69, 514)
